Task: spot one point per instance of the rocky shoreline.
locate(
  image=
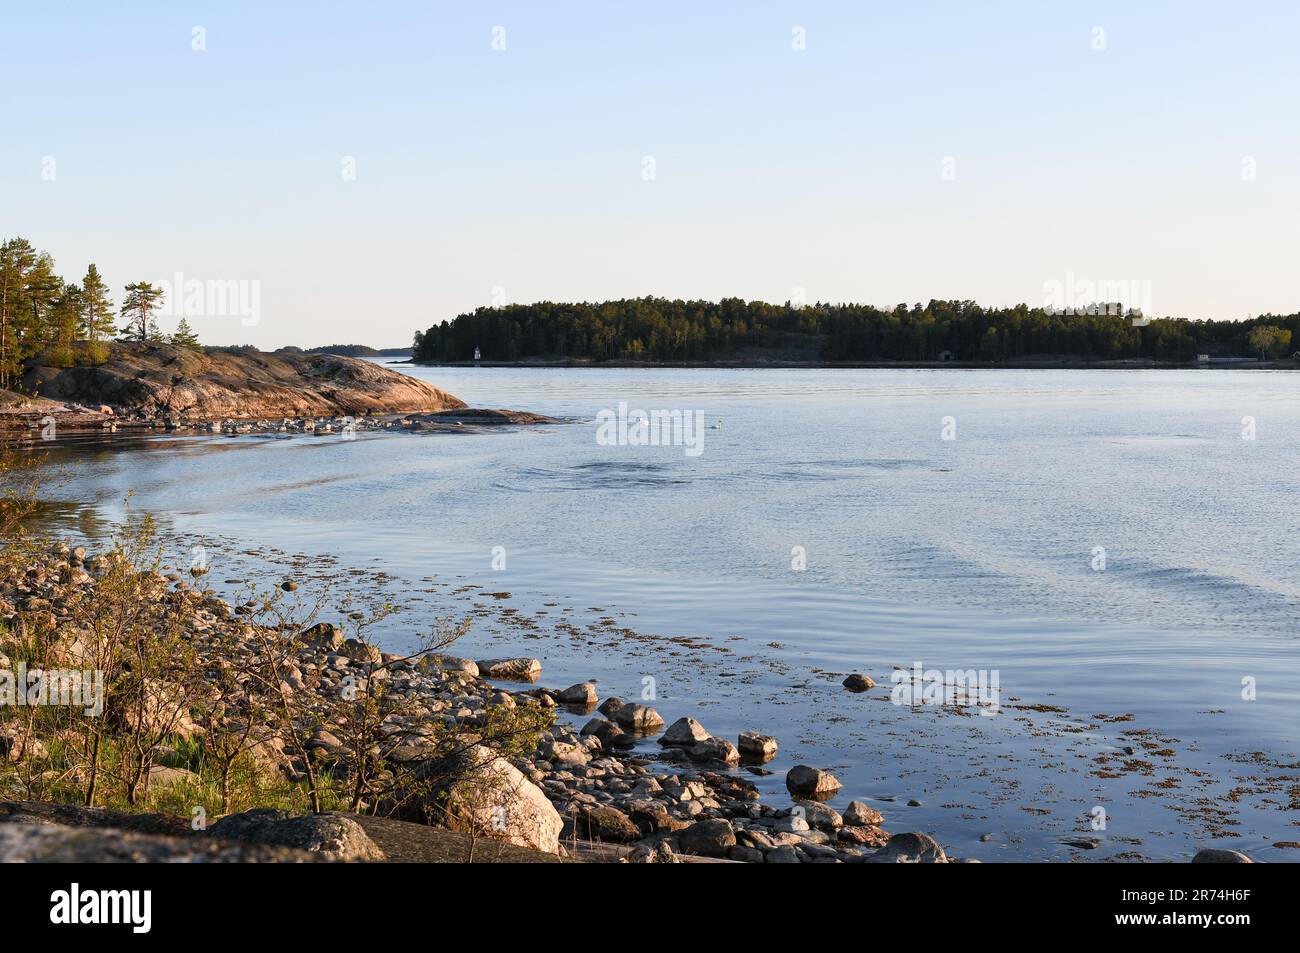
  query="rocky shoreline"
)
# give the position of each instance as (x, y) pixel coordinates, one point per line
(33, 417)
(578, 792)
(144, 387)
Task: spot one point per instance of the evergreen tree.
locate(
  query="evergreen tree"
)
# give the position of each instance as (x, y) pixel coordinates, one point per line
(97, 307)
(65, 325)
(66, 315)
(185, 336)
(16, 258)
(142, 299)
(35, 327)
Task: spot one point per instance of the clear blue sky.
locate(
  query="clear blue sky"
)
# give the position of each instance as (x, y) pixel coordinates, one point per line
(775, 168)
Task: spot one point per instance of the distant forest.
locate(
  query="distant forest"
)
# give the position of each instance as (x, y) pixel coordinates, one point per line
(658, 329)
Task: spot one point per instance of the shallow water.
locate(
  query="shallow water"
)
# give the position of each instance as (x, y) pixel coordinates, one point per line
(650, 568)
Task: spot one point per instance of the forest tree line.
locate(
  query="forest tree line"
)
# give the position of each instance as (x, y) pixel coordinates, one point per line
(65, 322)
(659, 329)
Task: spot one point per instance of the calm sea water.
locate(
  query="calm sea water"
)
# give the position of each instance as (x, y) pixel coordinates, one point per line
(665, 573)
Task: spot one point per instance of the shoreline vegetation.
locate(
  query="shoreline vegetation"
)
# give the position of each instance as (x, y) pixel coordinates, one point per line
(664, 331)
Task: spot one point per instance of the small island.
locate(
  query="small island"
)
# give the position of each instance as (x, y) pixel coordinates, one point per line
(735, 332)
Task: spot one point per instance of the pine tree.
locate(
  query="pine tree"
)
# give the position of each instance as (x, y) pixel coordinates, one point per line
(65, 325)
(185, 336)
(35, 327)
(97, 307)
(142, 298)
(16, 258)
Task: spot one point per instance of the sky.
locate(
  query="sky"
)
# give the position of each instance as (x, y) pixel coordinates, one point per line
(350, 172)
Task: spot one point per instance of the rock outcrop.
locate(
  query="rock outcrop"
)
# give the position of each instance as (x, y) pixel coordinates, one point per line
(165, 380)
(333, 835)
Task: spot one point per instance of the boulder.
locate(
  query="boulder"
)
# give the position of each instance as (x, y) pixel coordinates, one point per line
(1217, 855)
(811, 783)
(564, 753)
(754, 746)
(685, 733)
(820, 816)
(478, 791)
(638, 718)
(161, 776)
(863, 836)
(583, 694)
(715, 750)
(333, 835)
(608, 824)
(859, 683)
(710, 838)
(324, 636)
(651, 817)
(791, 824)
(511, 669)
(608, 732)
(861, 814)
(909, 848)
(363, 653)
(448, 663)
(660, 853)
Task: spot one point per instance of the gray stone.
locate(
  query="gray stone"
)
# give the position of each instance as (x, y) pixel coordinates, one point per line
(909, 848)
(716, 750)
(334, 835)
(815, 784)
(785, 854)
(511, 669)
(363, 653)
(861, 814)
(584, 694)
(684, 732)
(638, 718)
(1217, 855)
(607, 824)
(820, 816)
(448, 663)
(709, 838)
(478, 791)
(754, 746)
(324, 636)
(606, 731)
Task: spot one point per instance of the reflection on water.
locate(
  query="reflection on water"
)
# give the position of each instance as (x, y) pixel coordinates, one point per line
(978, 552)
